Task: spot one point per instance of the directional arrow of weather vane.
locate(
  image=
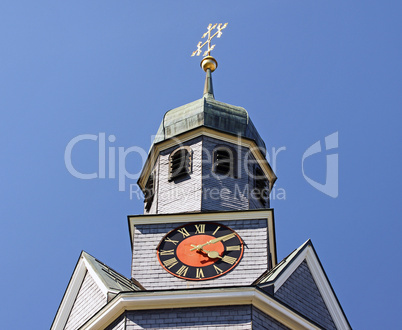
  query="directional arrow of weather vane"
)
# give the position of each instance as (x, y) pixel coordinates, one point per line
(218, 34)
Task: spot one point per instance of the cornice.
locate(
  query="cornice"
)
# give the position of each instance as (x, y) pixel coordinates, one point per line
(200, 216)
(205, 131)
(197, 298)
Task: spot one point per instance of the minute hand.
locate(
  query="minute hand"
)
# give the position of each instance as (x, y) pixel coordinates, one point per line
(220, 238)
(212, 241)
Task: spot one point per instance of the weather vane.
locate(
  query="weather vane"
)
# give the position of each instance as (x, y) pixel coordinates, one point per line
(208, 63)
(218, 34)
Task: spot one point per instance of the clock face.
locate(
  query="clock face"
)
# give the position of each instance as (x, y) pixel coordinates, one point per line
(200, 251)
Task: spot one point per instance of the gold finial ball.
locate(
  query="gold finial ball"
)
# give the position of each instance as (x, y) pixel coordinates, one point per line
(209, 62)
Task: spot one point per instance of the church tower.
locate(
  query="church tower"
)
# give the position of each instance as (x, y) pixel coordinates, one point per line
(204, 251)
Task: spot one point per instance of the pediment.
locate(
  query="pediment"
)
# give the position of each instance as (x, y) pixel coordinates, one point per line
(302, 270)
(92, 286)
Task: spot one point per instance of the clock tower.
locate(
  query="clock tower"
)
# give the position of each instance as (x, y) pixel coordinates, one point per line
(206, 210)
(204, 251)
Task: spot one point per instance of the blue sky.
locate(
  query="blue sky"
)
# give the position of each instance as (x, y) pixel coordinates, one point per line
(302, 69)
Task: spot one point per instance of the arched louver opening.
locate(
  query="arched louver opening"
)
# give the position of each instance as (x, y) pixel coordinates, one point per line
(225, 161)
(149, 191)
(180, 163)
(261, 186)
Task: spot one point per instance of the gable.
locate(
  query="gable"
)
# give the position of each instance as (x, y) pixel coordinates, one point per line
(89, 300)
(302, 294)
(91, 286)
(300, 279)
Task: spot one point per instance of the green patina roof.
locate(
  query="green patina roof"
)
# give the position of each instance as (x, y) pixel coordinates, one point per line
(209, 113)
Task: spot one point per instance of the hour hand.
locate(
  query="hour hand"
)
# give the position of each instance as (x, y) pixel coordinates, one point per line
(213, 254)
(210, 254)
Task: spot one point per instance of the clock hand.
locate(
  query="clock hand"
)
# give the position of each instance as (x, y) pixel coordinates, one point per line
(221, 238)
(212, 241)
(211, 254)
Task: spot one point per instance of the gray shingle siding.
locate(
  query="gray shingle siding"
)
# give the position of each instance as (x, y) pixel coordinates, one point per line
(301, 293)
(204, 190)
(89, 300)
(232, 189)
(182, 194)
(252, 265)
(264, 321)
(220, 317)
(119, 323)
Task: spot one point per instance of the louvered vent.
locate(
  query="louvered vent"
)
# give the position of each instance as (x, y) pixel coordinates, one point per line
(180, 163)
(225, 161)
(149, 191)
(261, 186)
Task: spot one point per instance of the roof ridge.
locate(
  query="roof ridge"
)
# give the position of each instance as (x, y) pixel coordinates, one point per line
(264, 278)
(102, 270)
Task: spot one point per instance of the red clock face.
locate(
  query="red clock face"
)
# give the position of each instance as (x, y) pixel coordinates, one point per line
(200, 251)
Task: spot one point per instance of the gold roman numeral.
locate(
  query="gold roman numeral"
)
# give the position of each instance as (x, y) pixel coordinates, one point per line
(200, 229)
(169, 263)
(199, 273)
(166, 252)
(218, 270)
(233, 248)
(182, 271)
(184, 232)
(228, 237)
(229, 260)
(217, 228)
(171, 241)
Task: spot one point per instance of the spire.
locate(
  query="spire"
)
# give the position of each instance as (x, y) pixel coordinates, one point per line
(209, 65)
(208, 88)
